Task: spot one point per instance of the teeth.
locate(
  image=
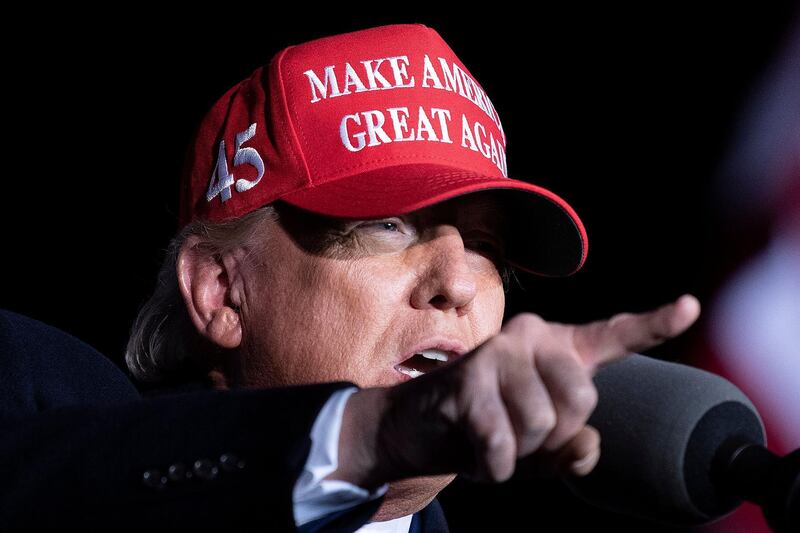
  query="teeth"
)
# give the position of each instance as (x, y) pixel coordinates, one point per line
(436, 355)
(409, 371)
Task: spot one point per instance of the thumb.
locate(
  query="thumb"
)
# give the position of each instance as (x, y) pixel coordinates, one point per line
(581, 454)
(577, 457)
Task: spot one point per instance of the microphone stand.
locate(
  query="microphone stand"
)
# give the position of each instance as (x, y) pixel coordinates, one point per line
(750, 471)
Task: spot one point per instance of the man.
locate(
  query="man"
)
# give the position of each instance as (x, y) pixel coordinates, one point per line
(348, 228)
(373, 265)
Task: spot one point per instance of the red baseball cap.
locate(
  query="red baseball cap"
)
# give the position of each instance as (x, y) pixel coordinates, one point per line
(367, 124)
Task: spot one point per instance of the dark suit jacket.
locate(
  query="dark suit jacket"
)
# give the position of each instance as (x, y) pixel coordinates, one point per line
(77, 441)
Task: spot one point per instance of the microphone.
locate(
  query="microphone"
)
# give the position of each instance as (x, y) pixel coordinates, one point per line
(683, 446)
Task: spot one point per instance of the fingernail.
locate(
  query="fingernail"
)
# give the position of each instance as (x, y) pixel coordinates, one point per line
(581, 466)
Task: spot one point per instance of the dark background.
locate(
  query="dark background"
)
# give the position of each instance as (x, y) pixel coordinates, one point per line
(625, 113)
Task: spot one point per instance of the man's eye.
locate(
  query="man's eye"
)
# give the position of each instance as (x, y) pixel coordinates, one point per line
(390, 226)
(383, 225)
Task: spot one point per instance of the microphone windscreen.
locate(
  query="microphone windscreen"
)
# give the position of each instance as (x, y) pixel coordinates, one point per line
(661, 424)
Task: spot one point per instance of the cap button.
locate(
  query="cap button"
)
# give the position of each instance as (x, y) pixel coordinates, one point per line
(152, 478)
(230, 463)
(205, 469)
(177, 472)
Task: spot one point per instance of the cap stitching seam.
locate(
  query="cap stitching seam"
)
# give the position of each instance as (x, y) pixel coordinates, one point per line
(290, 118)
(432, 176)
(399, 157)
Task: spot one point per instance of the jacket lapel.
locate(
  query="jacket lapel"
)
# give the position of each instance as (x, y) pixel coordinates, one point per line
(429, 520)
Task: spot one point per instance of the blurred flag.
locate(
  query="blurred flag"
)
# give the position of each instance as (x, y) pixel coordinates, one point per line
(752, 323)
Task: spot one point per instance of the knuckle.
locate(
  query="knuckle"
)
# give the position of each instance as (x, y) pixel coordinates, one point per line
(500, 350)
(478, 372)
(500, 465)
(620, 317)
(584, 398)
(498, 444)
(542, 421)
(503, 472)
(526, 321)
(661, 332)
(498, 455)
(501, 344)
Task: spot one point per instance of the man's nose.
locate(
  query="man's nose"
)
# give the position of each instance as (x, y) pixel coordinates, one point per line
(446, 281)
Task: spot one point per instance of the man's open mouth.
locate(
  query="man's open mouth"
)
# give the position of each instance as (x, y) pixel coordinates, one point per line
(424, 361)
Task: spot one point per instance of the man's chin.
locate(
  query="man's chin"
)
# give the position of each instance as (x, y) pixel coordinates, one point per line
(408, 496)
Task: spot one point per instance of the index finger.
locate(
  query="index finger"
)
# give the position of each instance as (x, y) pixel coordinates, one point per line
(601, 342)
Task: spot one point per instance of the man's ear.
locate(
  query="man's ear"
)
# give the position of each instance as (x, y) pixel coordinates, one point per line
(205, 284)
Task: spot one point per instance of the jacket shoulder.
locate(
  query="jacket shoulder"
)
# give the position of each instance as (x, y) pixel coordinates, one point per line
(43, 367)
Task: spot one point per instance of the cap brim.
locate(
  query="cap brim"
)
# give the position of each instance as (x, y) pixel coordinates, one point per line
(546, 236)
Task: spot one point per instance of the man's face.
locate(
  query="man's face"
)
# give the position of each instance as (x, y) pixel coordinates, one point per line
(354, 300)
